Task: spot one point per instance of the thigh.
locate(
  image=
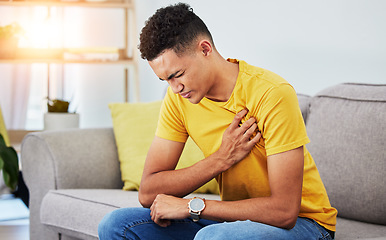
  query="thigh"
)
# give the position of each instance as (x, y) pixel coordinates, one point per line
(136, 223)
(304, 229)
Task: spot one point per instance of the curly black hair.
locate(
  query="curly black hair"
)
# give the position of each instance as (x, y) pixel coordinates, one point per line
(173, 27)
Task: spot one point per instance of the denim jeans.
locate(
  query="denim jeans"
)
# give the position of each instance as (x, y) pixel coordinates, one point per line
(136, 223)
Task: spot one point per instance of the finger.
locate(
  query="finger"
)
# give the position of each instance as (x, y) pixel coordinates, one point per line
(255, 139)
(251, 130)
(152, 211)
(154, 216)
(237, 119)
(247, 124)
(160, 221)
(163, 222)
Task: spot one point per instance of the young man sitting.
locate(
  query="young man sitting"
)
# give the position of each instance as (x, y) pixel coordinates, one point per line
(248, 124)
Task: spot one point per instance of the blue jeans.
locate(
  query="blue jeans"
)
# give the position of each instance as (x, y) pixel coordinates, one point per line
(136, 223)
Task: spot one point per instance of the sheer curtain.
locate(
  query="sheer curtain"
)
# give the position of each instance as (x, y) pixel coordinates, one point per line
(15, 79)
(14, 94)
(24, 87)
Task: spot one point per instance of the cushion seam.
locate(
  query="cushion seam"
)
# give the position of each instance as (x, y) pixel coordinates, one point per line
(365, 84)
(350, 99)
(87, 200)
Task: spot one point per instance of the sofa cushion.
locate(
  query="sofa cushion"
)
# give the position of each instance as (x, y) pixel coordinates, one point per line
(349, 229)
(77, 212)
(346, 126)
(304, 104)
(134, 128)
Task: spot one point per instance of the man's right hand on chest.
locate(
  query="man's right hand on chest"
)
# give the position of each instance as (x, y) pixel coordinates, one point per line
(238, 140)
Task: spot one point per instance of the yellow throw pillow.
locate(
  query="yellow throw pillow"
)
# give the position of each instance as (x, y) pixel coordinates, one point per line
(134, 127)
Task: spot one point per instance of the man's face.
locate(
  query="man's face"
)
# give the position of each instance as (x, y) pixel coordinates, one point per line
(187, 75)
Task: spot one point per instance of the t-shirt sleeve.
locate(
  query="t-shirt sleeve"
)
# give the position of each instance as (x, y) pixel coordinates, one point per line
(170, 123)
(281, 121)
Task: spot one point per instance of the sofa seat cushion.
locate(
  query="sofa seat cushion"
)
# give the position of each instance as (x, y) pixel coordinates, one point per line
(349, 229)
(77, 212)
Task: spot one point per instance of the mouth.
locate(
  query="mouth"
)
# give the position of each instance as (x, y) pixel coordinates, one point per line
(186, 94)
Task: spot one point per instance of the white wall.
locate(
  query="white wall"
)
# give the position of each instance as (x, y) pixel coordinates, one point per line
(312, 44)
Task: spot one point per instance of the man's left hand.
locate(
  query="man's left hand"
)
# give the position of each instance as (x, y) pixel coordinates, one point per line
(166, 207)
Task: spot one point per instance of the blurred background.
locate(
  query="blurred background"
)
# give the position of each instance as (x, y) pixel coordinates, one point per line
(312, 44)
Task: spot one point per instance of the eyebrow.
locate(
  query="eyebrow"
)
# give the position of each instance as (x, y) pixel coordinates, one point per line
(171, 75)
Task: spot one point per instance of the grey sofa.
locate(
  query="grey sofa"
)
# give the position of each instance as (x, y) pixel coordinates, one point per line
(74, 179)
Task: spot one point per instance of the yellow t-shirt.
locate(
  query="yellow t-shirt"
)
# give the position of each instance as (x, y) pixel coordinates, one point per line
(273, 103)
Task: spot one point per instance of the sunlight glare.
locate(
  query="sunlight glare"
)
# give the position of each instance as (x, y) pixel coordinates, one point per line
(43, 31)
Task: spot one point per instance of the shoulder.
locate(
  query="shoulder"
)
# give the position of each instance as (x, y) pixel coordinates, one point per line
(258, 84)
(259, 76)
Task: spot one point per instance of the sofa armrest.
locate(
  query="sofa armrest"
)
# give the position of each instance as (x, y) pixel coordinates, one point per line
(79, 158)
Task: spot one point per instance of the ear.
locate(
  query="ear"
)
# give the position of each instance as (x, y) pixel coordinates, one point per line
(205, 47)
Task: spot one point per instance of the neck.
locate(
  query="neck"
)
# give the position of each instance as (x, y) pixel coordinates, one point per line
(224, 78)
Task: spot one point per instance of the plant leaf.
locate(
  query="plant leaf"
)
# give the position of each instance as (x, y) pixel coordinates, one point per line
(2, 141)
(10, 164)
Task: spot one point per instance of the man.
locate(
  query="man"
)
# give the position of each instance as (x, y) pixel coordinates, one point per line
(248, 124)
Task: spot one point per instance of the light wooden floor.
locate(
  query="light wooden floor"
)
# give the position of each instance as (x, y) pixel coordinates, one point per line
(14, 232)
(14, 229)
(17, 229)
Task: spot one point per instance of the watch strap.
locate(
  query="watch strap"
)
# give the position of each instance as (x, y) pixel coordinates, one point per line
(195, 215)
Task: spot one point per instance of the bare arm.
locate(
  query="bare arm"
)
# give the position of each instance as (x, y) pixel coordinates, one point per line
(159, 176)
(281, 209)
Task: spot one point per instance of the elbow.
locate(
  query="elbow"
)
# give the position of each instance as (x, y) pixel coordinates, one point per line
(288, 220)
(289, 213)
(289, 223)
(145, 199)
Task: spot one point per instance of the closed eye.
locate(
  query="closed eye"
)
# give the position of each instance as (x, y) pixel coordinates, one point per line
(180, 75)
(173, 75)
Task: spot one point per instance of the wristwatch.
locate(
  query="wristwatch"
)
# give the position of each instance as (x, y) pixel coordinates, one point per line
(196, 206)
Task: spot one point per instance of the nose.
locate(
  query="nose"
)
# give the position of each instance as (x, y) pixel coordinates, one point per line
(176, 86)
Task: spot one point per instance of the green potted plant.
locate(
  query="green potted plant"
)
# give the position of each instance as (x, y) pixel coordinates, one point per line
(9, 38)
(57, 105)
(58, 115)
(9, 164)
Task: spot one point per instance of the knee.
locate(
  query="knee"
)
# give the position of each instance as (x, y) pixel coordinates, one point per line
(114, 224)
(239, 230)
(106, 226)
(212, 232)
(110, 226)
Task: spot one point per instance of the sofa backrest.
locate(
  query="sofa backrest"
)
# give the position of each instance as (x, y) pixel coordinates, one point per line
(347, 128)
(304, 104)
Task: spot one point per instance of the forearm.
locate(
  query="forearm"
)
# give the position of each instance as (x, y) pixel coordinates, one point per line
(179, 182)
(267, 210)
(275, 211)
(281, 208)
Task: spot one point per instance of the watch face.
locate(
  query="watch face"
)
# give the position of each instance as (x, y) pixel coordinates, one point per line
(197, 204)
